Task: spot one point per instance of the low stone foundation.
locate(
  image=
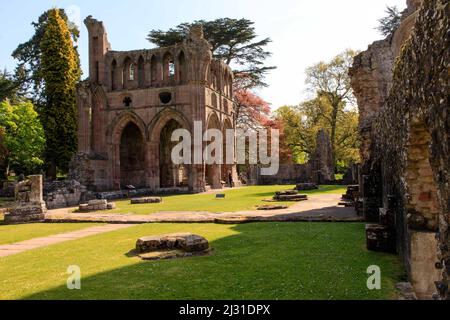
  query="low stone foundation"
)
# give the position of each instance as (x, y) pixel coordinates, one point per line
(63, 194)
(290, 195)
(97, 205)
(172, 246)
(147, 200)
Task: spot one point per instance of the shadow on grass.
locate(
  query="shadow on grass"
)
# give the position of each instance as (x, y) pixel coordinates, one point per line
(299, 261)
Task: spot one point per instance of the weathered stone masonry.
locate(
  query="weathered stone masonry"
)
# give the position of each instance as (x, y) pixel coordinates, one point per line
(134, 100)
(402, 86)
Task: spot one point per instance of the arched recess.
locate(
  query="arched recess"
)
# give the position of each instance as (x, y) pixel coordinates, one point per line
(182, 68)
(154, 70)
(171, 175)
(126, 81)
(160, 120)
(168, 67)
(213, 171)
(165, 173)
(132, 157)
(114, 134)
(116, 127)
(114, 75)
(227, 167)
(423, 205)
(423, 210)
(141, 72)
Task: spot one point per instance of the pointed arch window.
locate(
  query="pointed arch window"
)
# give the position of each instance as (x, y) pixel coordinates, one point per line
(132, 72)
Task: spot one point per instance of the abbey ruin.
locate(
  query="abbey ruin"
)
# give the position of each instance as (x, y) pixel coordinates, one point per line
(132, 103)
(402, 87)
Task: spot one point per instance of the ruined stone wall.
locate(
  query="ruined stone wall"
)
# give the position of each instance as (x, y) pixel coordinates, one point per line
(63, 194)
(413, 130)
(132, 97)
(405, 125)
(287, 174)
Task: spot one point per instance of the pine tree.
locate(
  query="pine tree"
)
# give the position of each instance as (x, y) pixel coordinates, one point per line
(60, 73)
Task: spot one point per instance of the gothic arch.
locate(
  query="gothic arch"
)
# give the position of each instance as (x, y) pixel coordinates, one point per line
(154, 69)
(132, 156)
(182, 67)
(120, 122)
(227, 168)
(127, 62)
(113, 75)
(168, 63)
(213, 171)
(141, 72)
(161, 119)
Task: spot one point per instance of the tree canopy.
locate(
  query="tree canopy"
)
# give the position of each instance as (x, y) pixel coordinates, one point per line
(330, 82)
(22, 139)
(60, 72)
(233, 40)
(389, 23)
(29, 56)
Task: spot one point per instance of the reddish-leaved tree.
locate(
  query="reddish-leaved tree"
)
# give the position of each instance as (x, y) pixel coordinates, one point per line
(252, 112)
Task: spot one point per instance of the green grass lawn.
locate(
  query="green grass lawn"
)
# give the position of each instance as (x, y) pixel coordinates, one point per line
(250, 261)
(16, 233)
(241, 199)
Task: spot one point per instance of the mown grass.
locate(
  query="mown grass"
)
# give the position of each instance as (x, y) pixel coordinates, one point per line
(241, 199)
(251, 261)
(15, 233)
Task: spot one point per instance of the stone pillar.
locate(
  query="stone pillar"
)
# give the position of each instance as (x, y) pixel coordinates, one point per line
(29, 202)
(423, 263)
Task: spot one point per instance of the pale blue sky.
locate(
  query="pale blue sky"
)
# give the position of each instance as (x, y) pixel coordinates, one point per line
(303, 31)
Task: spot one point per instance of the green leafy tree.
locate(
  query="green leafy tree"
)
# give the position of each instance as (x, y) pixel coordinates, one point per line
(302, 123)
(22, 139)
(390, 23)
(29, 55)
(232, 40)
(59, 69)
(330, 82)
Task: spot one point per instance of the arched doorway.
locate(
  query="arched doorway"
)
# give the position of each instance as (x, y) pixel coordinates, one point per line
(132, 157)
(213, 171)
(227, 168)
(171, 175)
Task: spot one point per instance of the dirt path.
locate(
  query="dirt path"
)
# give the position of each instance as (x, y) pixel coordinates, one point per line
(317, 208)
(19, 247)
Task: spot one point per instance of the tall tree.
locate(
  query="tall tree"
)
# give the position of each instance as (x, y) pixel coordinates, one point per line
(390, 23)
(60, 72)
(232, 40)
(29, 56)
(331, 84)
